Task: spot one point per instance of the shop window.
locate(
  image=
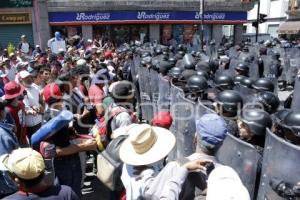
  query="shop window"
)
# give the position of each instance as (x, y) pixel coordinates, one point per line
(67, 31)
(228, 31)
(272, 30)
(190, 35)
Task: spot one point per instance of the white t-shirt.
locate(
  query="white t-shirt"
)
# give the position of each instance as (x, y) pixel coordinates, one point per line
(25, 47)
(30, 100)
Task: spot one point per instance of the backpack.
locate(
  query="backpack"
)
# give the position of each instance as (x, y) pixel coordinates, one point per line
(102, 129)
(109, 165)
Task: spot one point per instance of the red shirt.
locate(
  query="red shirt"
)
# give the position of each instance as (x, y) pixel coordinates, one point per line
(18, 114)
(96, 94)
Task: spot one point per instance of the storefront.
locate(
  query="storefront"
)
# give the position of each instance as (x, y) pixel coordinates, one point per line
(168, 27)
(15, 20)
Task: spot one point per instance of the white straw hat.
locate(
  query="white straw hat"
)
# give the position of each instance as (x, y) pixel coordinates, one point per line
(146, 145)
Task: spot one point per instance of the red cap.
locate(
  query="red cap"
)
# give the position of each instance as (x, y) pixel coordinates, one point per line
(52, 90)
(108, 54)
(162, 119)
(12, 90)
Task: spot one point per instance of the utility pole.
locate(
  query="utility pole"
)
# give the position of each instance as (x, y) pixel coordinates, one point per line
(257, 20)
(202, 23)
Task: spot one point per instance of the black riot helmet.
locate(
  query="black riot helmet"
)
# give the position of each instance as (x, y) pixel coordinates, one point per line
(221, 52)
(245, 49)
(242, 69)
(291, 124)
(203, 66)
(158, 51)
(180, 47)
(238, 79)
(187, 73)
(263, 84)
(172, 60)
(224, 82)
(276, 54)
(171, 48)
(146, 54)
(257, 121)
(246, 82)
(269, 100)
(196, 83)
(229, 101)
(176, 72)
(203, 73)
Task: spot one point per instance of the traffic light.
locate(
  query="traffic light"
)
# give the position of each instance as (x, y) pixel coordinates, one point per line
(255, 24)
(262, 18)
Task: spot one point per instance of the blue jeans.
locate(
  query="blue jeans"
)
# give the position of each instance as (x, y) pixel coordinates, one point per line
(68, 171)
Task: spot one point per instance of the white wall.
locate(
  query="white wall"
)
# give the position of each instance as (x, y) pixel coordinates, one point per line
(274, 9)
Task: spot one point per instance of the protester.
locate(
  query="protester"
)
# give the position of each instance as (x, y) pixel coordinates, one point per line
(27, 167)
(14, 95)
(66, 161)
(8, 142)
(32, 101)
(144, 174)
(24, 47)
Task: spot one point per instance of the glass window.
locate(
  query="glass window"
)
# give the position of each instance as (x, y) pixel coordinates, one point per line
(272, 30)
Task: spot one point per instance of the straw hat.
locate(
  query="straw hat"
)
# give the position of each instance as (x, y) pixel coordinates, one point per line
(146, 145)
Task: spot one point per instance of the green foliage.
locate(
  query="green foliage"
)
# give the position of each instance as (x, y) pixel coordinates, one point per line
(11, 48)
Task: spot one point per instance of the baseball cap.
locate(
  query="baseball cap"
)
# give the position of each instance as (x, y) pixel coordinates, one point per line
(25, 163)
(24, 74)
(52, 90)
(212, 129)
(162, 119)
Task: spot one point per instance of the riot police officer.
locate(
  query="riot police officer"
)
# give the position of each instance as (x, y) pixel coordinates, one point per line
(228, 104)
(263, 84)
(196, 87)
(242, 69)
(252, 125)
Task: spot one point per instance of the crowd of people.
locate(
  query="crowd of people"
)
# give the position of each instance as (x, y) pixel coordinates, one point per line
(97, 87)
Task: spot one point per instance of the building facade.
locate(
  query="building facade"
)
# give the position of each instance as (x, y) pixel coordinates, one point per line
(16, 18)
(276, 11)
(171, 21)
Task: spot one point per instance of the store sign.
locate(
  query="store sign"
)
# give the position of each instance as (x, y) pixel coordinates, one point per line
(15, 18)
(145, 17)
(15, 3)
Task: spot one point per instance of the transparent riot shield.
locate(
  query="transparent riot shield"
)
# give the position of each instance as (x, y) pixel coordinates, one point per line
(243, 158)
(164, 94)
(154, 86)
(145, 94)
(281, 162)
(183, 112)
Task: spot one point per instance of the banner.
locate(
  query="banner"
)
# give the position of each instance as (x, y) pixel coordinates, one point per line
(126, 17)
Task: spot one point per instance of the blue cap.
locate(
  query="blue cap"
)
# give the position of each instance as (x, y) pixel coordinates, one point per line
(212, 129)
(101, 77)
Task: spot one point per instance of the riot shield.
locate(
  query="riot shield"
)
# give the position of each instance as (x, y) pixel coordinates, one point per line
(233, 63)
(293, 61)
(183, 112)
(175, 93)
(164, 94)
(281, 161)
(296, 96)
(154, 86)
(243, 158)
(135, 67)
(145, 94)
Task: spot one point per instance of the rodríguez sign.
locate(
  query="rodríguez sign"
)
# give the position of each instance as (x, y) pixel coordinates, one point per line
(127, 17)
